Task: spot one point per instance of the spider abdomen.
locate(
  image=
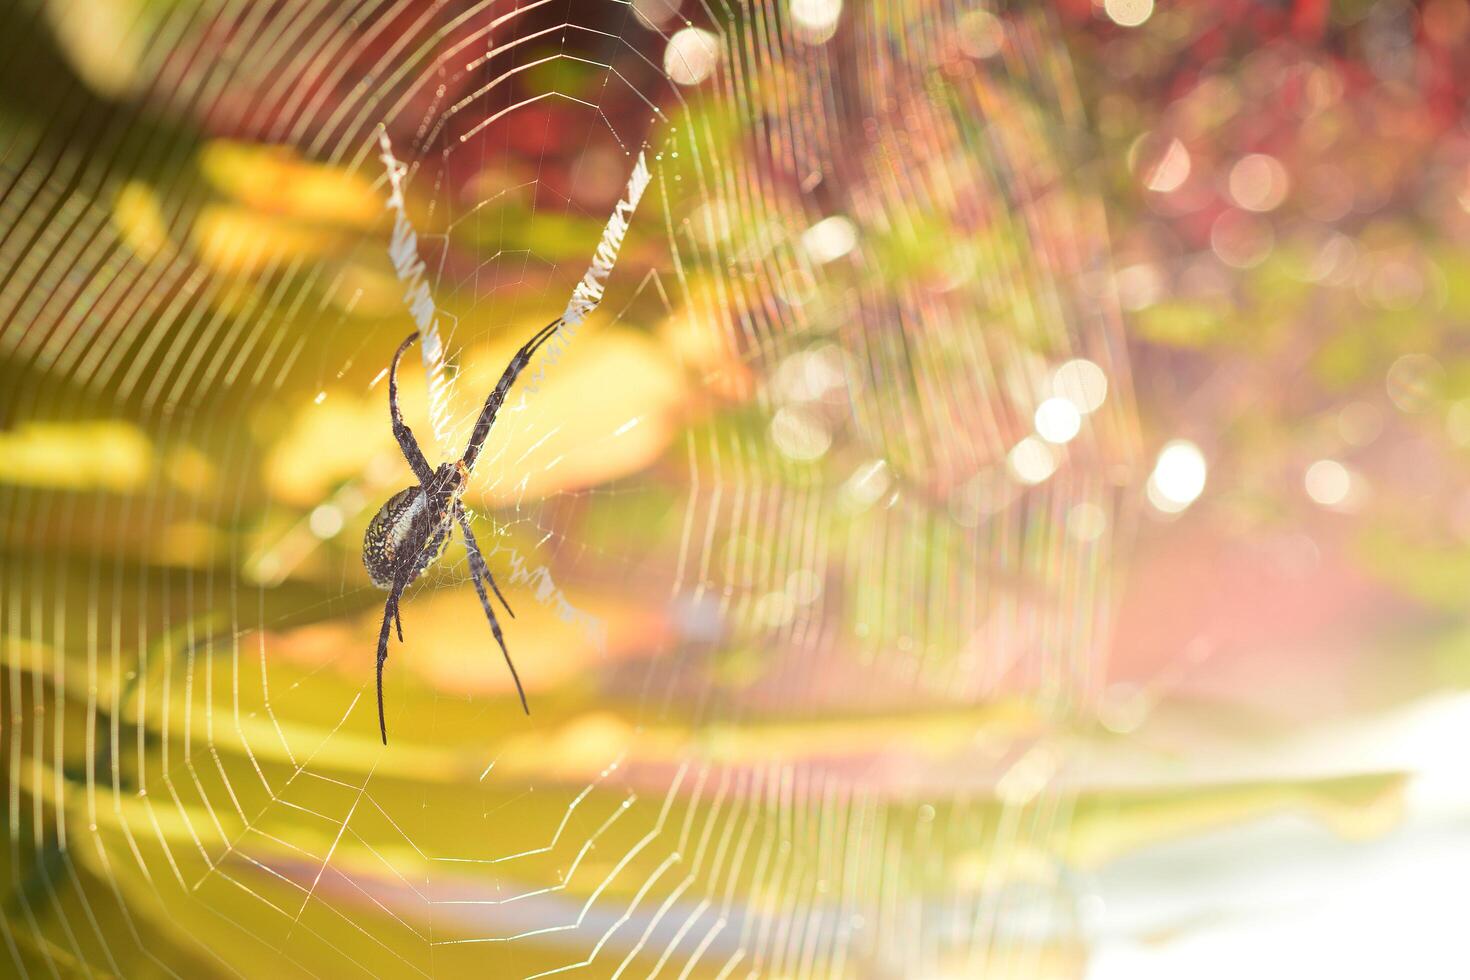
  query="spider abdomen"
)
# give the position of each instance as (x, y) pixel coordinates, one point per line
(405, 536)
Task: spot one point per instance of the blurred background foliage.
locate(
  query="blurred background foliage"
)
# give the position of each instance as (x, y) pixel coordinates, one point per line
(789, 562)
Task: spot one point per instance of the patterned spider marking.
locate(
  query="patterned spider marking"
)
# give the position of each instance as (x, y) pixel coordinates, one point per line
(391, 529)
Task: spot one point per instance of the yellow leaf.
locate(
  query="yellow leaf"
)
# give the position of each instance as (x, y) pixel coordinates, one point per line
(606, 409)
(106, 455)
(242, 241)
(140, 220)
(699, 337)
(103, 40)
(274, 179)
(448, 640)
(331, 441)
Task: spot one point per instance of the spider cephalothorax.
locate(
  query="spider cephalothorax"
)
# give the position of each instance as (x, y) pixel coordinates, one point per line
(410, 532)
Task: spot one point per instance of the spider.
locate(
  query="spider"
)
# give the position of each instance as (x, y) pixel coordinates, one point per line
(413, 527)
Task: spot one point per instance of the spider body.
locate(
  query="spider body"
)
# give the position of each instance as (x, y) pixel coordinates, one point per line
(412, 529)
(399, 536)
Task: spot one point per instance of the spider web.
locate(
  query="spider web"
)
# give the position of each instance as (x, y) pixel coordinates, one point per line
(804, 608)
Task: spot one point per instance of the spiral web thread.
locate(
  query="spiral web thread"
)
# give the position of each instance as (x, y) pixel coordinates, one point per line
(841, 753)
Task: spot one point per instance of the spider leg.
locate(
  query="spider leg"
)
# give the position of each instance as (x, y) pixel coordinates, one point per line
(478, 568)
(390, 613)
(473, 547)
(401, 431)
(502, 388)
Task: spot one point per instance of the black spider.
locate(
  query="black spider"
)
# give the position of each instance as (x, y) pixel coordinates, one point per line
(413, 527)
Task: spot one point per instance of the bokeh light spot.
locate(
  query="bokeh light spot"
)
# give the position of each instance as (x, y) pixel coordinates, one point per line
(1328, 482)
(829, 239)
(325, 521)
(1258, 182)
(691, 56)
(1241, 240)
(1359, 423)
(1058, 420)
(815, 20)
(1178, 477)
(1412, 381)
(800, 434)
(1128, 13)
(654, 14)
(1167, 172)
(1031, 461)
(981, 34)
(1082, 383)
